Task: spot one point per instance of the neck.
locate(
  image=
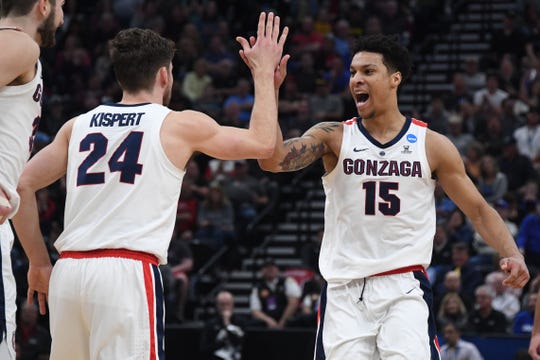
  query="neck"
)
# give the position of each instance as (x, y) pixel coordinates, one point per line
(140, 97)
(386, 126)
(23, 23)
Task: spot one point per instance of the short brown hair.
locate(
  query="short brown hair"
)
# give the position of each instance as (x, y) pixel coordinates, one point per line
(18, 7)
(137, 55)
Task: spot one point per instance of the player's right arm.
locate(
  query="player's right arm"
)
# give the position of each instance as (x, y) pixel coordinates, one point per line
(297, 153)
(18, 57)
(47, 166)
(534, 347)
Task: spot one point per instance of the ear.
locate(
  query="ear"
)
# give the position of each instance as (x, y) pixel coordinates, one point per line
(44, 7)
(163, 76)
(396, 78)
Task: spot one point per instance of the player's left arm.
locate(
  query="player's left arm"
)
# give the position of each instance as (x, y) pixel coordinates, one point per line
(47, 166)
(449, 169)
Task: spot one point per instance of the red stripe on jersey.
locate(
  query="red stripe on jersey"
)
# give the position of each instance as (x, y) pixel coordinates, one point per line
(350, 121)
(402, 270)
(149, 288)
(115, 253)
(419, 122)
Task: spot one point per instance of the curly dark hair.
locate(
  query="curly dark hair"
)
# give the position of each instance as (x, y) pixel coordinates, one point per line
(395, 56)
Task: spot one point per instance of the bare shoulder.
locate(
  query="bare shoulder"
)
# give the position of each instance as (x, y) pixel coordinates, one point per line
(19, 45)
(441, 152)
(18, 57)
(189, 123)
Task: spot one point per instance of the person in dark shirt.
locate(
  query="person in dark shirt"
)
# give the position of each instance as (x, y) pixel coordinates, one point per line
(484, 319)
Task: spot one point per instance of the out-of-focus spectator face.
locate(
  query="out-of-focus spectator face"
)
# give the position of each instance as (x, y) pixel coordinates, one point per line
(452, 282)
(224, 302)
(451, 335)
(483, 298)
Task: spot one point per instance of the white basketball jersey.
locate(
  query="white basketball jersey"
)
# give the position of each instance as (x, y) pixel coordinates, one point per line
(380, 206)
(20, 113)
(122, 190)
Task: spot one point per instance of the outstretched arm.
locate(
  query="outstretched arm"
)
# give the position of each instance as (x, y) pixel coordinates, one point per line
(297, 153)
(448, 166)
(47, 166)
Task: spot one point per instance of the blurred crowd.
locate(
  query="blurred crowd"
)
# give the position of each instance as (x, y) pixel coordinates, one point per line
(491, 112)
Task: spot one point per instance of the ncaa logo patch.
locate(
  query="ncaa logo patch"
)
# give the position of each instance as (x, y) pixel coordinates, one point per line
(411, 138)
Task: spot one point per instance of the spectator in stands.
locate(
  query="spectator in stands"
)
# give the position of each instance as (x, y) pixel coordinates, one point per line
(199, 184)
(457, 348)
(188, 204)
(304, 73)
(528, 239)
(524, 320)
(517, 167)
(458, 94)
(455, 133)
(492, 183)
(490, 96)
(305, 38)
(452, 310)
(223, 334)
(489, 131)
(215, 219)
(180, 263)
(243, 96)
(470, 277)
(528, 137)
(504, 300)
(442, 251)
(196, 81)
(508, 75)
(472, 160)
(437, 115)
(451, 283)
(246, 192)
(274, 299)
(474, 78)
(459, 228)
(324, 105)
(484, 319)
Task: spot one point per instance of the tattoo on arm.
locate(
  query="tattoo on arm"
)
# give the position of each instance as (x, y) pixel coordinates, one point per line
(327, 127)
(299, 155)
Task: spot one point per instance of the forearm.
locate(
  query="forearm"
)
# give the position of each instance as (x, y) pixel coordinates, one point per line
(258, 314)
(292, 305)
(536, 326)
(26, 224)
(495, 233)
(264, 114)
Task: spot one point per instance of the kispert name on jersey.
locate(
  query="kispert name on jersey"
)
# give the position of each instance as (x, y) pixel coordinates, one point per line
(104, 119)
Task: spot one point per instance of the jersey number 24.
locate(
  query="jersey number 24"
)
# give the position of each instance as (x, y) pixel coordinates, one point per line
(124, 159)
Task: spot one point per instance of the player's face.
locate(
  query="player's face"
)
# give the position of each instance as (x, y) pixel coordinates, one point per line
(168, 91)
(371, 85)
(47, 29)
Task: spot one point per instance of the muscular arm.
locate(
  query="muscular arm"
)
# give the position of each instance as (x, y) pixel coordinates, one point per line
(298, 153)
(47, 166)
(18, 58)
(450, 171)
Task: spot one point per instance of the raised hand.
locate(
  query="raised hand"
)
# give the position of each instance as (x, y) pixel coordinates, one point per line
(266, 47)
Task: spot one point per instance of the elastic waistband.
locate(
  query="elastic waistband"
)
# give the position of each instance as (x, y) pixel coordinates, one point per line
(113, 253)
(402, 270)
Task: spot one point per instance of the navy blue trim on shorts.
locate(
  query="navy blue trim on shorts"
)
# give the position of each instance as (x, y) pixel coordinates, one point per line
(160, 317)
(425, 285)
(319, 348)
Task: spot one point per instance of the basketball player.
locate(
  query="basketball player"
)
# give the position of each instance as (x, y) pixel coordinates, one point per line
(124, 164)
(25, 25)
(534, 347)
(381, 168)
